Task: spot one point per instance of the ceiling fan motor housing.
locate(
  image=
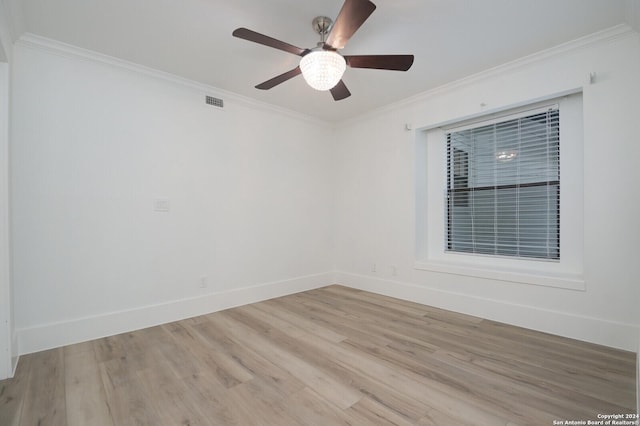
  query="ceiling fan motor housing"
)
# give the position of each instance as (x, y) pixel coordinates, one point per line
(322, 25)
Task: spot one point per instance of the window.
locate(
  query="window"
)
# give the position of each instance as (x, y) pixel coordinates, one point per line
(500, 196)
(503, 186)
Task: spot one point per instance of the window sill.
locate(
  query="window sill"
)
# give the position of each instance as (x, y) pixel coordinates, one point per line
(565, 281)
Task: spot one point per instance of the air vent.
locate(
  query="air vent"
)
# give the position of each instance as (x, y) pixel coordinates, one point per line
(210, 100)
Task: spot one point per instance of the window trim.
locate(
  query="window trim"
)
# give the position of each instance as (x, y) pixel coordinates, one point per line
(430, 198)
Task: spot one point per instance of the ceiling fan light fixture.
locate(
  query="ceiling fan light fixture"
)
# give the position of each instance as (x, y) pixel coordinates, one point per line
(505, 156)
(322, 69)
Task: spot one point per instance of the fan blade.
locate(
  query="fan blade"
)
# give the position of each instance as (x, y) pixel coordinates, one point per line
(380, 62)
(279, 79)
(340, 91)
(255, 37)
(351, 17)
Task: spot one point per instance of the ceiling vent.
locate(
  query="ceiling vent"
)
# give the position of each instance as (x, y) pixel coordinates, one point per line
(210, 100)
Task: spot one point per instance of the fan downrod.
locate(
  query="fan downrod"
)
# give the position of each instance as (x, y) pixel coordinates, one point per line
(322, 25)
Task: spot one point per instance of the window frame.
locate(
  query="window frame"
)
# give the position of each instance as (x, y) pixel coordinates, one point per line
(430, 221)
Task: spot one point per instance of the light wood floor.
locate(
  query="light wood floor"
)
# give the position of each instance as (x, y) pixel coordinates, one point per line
(332, 356)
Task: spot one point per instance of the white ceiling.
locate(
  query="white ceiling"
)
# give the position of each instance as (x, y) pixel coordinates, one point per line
(192, 38)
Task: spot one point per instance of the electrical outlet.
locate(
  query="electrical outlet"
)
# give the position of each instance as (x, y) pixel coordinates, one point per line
(394, 270)
(373, 268)
(203, 282)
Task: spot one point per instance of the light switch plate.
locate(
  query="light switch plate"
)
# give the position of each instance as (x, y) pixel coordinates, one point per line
(161, 205)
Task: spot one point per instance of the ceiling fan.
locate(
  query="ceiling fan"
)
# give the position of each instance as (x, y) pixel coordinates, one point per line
(322, 67)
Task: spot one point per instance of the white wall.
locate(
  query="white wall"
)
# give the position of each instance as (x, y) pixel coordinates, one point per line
(376, 197)
(6, 325)
(8, 352)
(94, 144)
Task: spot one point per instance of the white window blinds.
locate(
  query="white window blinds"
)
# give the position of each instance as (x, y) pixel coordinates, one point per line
(503, 186)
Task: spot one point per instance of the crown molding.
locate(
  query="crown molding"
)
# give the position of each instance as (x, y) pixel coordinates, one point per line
(36, 42)
(59, 48)
(601, 37)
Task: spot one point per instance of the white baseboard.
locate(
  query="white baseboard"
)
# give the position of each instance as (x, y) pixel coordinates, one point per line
(589, 329)
(53, 335)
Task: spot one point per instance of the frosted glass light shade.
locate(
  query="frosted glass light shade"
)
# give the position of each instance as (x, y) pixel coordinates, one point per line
(322, 69)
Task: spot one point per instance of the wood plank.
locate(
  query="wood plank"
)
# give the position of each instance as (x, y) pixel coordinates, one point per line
(209, 398)
(276, 311)
(368, 411)
(310, 408)
(45, 396)
(13, 392)
(109, 348)
(218, 365)
(86, 402)
(256, 403)
(329, 387)
(169, 399)
(320, 354)
(247, 358)
(125, 396)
